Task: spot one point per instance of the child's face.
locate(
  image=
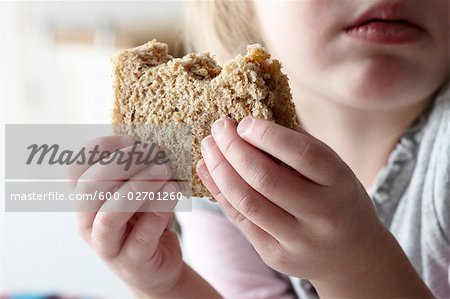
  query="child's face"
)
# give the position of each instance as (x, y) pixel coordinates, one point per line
(310, 38)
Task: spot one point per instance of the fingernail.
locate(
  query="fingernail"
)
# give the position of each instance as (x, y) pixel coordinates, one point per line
(162, 169)
(244, 126)
(126, 141)
(207, 143)
(201, 168)
(218, 126)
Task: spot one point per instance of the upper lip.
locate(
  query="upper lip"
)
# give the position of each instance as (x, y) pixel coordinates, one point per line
(387, 12)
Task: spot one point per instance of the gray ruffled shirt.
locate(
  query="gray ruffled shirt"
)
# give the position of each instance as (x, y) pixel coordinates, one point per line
(412, 197)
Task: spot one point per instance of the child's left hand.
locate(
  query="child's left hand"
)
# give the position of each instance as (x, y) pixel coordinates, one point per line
(316, 222)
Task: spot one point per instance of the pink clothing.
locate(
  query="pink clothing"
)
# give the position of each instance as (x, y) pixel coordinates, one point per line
(226, 259)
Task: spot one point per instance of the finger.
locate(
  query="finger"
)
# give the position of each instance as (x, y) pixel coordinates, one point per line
(84, 220)
(102, 144)
(143, 239)
(113, 171)
(101, 180)
(241, 196)
(138, 190)
(287, 189)
(162, 201)
(257, 236)
(110, 222)
(301, 151)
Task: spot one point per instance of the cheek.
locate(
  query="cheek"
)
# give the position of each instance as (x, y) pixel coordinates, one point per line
(442, 25)
(294, 31)
(296, 20)
(282, 22)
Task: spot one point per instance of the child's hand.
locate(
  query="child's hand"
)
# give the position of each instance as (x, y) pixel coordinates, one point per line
(137, 246)
(316, 222)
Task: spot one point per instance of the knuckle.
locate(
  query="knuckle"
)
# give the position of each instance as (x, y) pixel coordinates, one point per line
(247, 161)
(216, 168)
(266, 132)
(133, 186)
(274, 255)
(273, 248)
(329, 225)
(248, 206)
(265, 180)
(141, 237)
(305, 150)
(216, 194)
(230, 146)
(336, 177)
(106, 222)
(330, 222)
(340, 173)
(343, 172)
(237, 217)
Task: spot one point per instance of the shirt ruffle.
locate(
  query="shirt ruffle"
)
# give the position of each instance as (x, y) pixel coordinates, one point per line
(393, 179)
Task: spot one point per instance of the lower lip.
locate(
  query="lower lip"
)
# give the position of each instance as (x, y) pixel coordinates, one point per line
(386, 33)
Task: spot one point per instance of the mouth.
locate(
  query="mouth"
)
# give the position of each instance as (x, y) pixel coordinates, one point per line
(388, 22)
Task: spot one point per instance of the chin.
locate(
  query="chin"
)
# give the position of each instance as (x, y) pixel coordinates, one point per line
(370, 97)
(381, 89)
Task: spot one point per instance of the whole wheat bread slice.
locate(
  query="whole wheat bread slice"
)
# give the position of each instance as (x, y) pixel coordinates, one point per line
(152, 87)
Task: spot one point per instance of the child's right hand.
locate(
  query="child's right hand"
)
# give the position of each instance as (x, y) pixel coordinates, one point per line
(137, 246)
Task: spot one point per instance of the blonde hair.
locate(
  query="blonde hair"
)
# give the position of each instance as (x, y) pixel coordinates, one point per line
(222, 27)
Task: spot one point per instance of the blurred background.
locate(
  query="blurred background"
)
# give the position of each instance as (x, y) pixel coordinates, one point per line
(55, 68)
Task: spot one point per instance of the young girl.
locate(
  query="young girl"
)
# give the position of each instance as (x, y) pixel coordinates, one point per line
(366, 214)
